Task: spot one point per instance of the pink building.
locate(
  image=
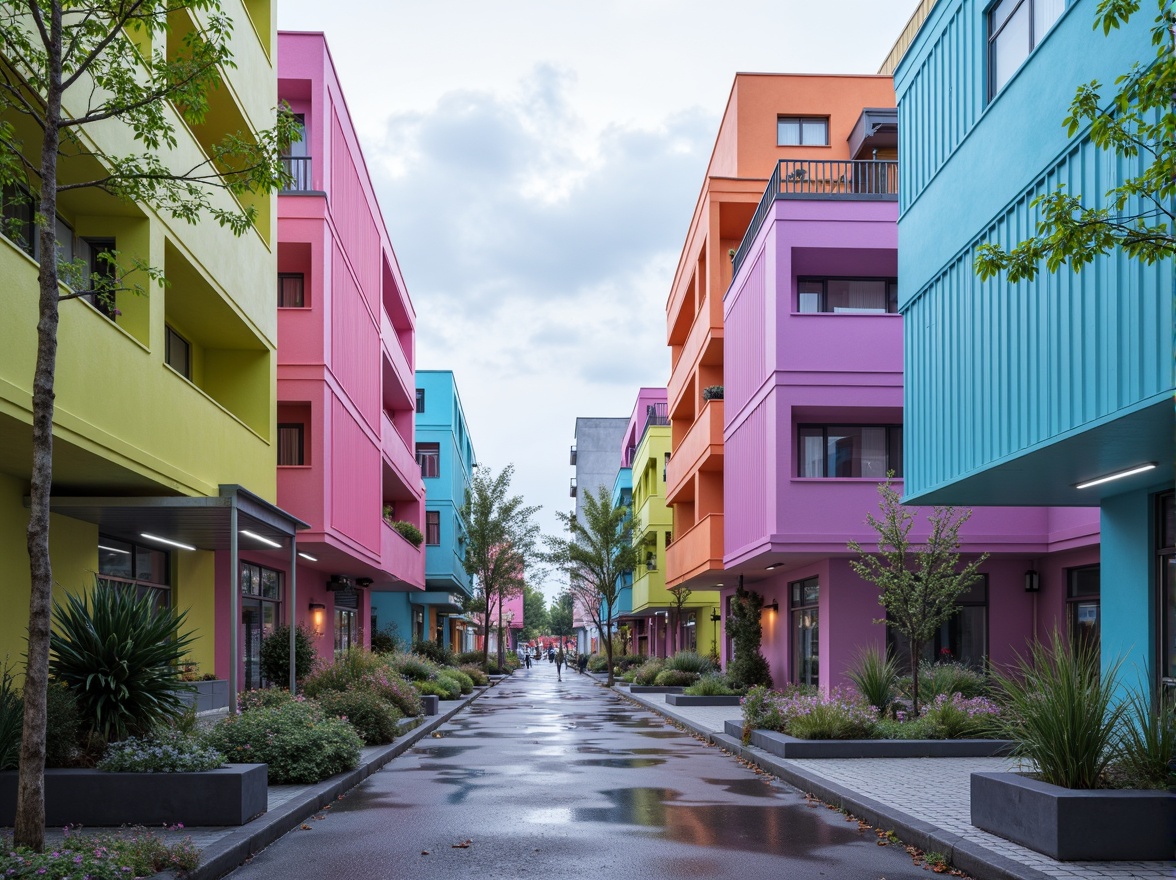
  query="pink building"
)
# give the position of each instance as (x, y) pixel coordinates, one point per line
(346, 399)
(813, 357)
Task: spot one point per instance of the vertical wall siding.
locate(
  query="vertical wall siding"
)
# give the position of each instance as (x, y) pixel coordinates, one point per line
(750, 455)
(355, 496)
(993, 368)
(355, 343)
(744, 359)
(353, 216)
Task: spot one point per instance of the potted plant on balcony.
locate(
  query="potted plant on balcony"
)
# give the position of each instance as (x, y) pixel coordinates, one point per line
(408, 531)
(1102, 782)
(712, 392)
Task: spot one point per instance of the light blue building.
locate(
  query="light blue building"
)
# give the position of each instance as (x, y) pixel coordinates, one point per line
(445, 454)
(1033, 393)
(622, 493)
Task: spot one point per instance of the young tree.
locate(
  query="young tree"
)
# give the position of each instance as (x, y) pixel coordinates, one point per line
(679, 595)
(918, 585)
(534, 613)
(748, 667)
(501, 545)
(562, 617)
(594, 555)
(69, 70)
(1136, 124)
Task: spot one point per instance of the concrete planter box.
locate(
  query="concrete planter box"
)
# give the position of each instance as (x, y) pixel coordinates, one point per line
(1071, 824)
(208, 696)
(692, 700)
(430, 704)
(654, 689)
(231, 795)
(784, 746)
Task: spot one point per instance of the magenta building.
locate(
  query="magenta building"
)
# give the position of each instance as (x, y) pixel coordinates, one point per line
(346, 393)
(813, 355)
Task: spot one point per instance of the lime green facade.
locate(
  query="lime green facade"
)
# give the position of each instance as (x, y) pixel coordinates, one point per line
(127, 423)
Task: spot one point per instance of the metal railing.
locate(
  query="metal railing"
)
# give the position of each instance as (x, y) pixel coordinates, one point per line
(299, 169)
(853, 180)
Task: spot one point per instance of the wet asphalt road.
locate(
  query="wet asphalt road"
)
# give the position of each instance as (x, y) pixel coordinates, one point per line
(553, 780)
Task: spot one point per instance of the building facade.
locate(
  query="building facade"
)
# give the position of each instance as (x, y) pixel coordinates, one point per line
(814, 423)
(1042, 392)
(346, 351)
(445, 454)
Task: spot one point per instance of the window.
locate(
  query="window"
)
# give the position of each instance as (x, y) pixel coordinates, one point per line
(98, 254)
(802, 131)
(433, 527)
(291, 290)
(261, 596)
(291, 446)
(963, 639)
(804, 600)
(178, 354)
(18, 212)
(1166, 582)
(1082, 600)
(428, 456)
(860, 296)
(1015, 27)
(867, 451)
(346, 630)
(146, 569)
(420, 400)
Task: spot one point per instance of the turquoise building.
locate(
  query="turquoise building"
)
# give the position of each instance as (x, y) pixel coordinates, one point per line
(1053, 392)
(445, 455)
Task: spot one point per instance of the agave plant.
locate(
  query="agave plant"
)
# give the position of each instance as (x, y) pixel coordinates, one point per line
(120, 655)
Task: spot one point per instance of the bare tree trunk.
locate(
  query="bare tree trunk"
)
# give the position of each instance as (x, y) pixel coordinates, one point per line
(29, 828)
(501, 651)
(608, 648)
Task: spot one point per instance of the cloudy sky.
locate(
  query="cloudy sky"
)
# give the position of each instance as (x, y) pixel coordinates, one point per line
(537, 163)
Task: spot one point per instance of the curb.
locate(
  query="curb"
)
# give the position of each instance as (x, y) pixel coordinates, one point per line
(966, 855)
(231, 851)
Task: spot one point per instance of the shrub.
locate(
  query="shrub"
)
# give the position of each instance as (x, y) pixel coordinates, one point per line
(11, 720)
(597, 663)
(373, 718)
(625, 662)
(450, 685)
(946, 677)
(362, 669)
(675, 678)
(62, 725)
(298, 742)
(476, 674)
(165, 752)
(413, 667)
(876, 678)
(835, 717)
(748, 667)
(408, 531)
(262, 698)
(689, 661)
(109, 856)
(434, 652)
(387, 640)
(957, 717)
(1147, 746)
(275, 655)
(646, 673)
(1061, 712)
(470, 657)
(120, 656)
(761, 711)
(711, 685)
(712, 392)
(913, 728)
(433, 688)
(467, 683)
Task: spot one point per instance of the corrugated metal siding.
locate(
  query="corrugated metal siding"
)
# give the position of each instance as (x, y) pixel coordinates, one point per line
(355, 343)
(745, 362)
(353, 216)
(355, 496)
(994, 368)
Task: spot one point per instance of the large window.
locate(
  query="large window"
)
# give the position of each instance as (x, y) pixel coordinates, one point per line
(420, 400)
(1082, 601)
(98, 256)
(433, 527)
(291, 290)
(146, 569)
(261, 597)
(291, 444)
(1166, 582)
(802, 131)
(428, 456)
(868, 451)
(178, 353)
(869, 296)
(963, 639)
(1015, 27)
(804, 598)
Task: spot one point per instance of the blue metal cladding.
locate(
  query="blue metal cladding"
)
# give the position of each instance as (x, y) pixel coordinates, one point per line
(993, 369)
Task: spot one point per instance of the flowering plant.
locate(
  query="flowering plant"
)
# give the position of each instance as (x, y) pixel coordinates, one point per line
(130, 853)
(960, 717)
(166, 752)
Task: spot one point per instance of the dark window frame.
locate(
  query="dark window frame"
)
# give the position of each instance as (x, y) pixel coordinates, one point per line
(799, 604)
(800, 123)
(892, 443)
(432, 528)
(428, 456)
(301, 428)
(420, 400)
(993, 31)
(896, 644)
(301, 292)
(161, 590)
(171, 333)
(1165, 546)
(823, 280)
(106, 305)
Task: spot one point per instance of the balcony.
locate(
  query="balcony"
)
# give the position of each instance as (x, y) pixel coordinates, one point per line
(572, 488)
(698, 551)
(655, 414)
(701, 448)
(400, 558)
(856, 180)
(572, 456)
(299, 169)
(398, 455)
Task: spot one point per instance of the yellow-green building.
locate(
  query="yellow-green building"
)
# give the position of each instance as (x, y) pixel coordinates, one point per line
(654, 619)
(165, 404)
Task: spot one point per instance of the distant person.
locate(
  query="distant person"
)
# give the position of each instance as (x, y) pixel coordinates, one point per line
(527, 659)
(551, 655)
(582, 662)
(559, 662)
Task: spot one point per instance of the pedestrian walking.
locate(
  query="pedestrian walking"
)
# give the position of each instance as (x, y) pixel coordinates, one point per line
(582, 662)
(559, 662)
(527, 658)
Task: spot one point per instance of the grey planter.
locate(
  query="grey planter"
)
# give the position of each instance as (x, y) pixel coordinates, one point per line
(784, 746)
(654, 689)
(430, 704)
(231, 795)
(692, 700)
(208, 696)
(1071, 824)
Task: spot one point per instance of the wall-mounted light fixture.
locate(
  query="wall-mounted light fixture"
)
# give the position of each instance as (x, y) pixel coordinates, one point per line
(318, 615)
(716, 617)
(773, 566)
(1032, 581)
(775, 606)
(1151, 465)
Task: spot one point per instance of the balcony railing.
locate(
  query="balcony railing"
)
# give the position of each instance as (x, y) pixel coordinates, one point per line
(299, 169)
(572, 488)
(656, 414)
(857, 180)
(572, 456)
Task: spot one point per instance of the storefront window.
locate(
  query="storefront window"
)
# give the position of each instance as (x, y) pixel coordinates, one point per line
(261, 595)
(1082, 598)
(146, 569)
(806, 665)
(962, 639)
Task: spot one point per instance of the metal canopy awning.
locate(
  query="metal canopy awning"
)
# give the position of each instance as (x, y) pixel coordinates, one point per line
(206, 523)
(876, 129)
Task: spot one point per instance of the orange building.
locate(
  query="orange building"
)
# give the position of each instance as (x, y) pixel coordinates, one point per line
(768, 117)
